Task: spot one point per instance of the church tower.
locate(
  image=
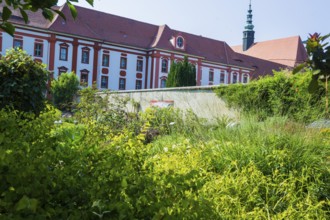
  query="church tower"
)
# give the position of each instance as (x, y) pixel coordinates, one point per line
(248, 33)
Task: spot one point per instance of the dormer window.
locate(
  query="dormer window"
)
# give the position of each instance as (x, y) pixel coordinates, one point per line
(179, 42)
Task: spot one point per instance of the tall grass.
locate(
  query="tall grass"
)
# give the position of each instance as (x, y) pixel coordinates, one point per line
(274, 169)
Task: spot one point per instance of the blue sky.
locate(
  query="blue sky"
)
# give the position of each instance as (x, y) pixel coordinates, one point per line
(225, 19)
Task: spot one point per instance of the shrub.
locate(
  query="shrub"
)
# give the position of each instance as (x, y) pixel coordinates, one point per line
(64, 90)
(23, 82)
(181, 74)
(283, 94)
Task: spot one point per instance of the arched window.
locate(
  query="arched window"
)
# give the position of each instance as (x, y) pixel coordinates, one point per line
(163, 82)
(245, 78)
(164, 66)
(84, 77)
(211, 75)
(235, 78)
(85, 55)
(222, 77)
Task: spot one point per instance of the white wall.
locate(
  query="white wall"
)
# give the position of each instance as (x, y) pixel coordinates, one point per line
(201, 100)
(28, 45)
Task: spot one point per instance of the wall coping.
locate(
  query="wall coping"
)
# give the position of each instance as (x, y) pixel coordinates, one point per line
(165, 89)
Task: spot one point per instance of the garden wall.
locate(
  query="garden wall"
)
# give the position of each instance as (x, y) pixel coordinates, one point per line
(201, 100)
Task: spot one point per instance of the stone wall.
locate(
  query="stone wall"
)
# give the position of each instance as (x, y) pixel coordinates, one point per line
(201, 100)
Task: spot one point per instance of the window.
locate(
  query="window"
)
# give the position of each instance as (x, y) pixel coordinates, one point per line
(38, 49)
(84, 77)
(122, 83)
(211, 76)
(104, 82)
(139, 65)
(164, 66)
(105, 60)
(163, 83)
(222, 78)
(179, 42)
(123, 62)
(85, 55)
(245, 78)
(138, 84)
(64, 52)
(234, 78)
(18, 43)
(62, 69)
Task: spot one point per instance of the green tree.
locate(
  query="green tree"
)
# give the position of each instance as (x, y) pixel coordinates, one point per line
(64, 89)
(181, 74)
(319, 62)
(23, 82)
(46, 6)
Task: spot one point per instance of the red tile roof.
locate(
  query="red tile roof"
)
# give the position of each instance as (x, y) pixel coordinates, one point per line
(127, 32)
(106, 27)
(287, 51)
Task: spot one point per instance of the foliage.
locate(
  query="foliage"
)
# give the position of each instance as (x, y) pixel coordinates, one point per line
(64, 89)
(181, 74)
(22, 82)
(274, 169)
(283, 94)
(46, 6)
(101, 116)
(103, 167)
(319, 62)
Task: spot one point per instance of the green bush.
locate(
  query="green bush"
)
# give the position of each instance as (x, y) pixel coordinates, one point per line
(64, 89)
(22, 82)
(102, 168)
(181, 74)
(283, 94)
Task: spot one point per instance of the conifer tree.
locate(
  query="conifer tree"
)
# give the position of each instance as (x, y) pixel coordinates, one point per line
(181, 74)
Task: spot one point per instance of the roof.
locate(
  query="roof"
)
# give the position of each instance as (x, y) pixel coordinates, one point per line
(36, 19)
(287, 51)
(105, 27)
(114, 29)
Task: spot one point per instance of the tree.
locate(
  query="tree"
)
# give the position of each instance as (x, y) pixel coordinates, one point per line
(181, 74)
(23, 82)
(319, 62)
(46, 6)
(64, 89)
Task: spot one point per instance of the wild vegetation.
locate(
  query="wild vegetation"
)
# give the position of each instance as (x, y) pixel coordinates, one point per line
(106, 163)
(283, 94)
(64, 89)
(103, 166)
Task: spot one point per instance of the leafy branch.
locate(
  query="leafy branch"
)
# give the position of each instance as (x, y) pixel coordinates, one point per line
(319, 61)
(46, 6)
